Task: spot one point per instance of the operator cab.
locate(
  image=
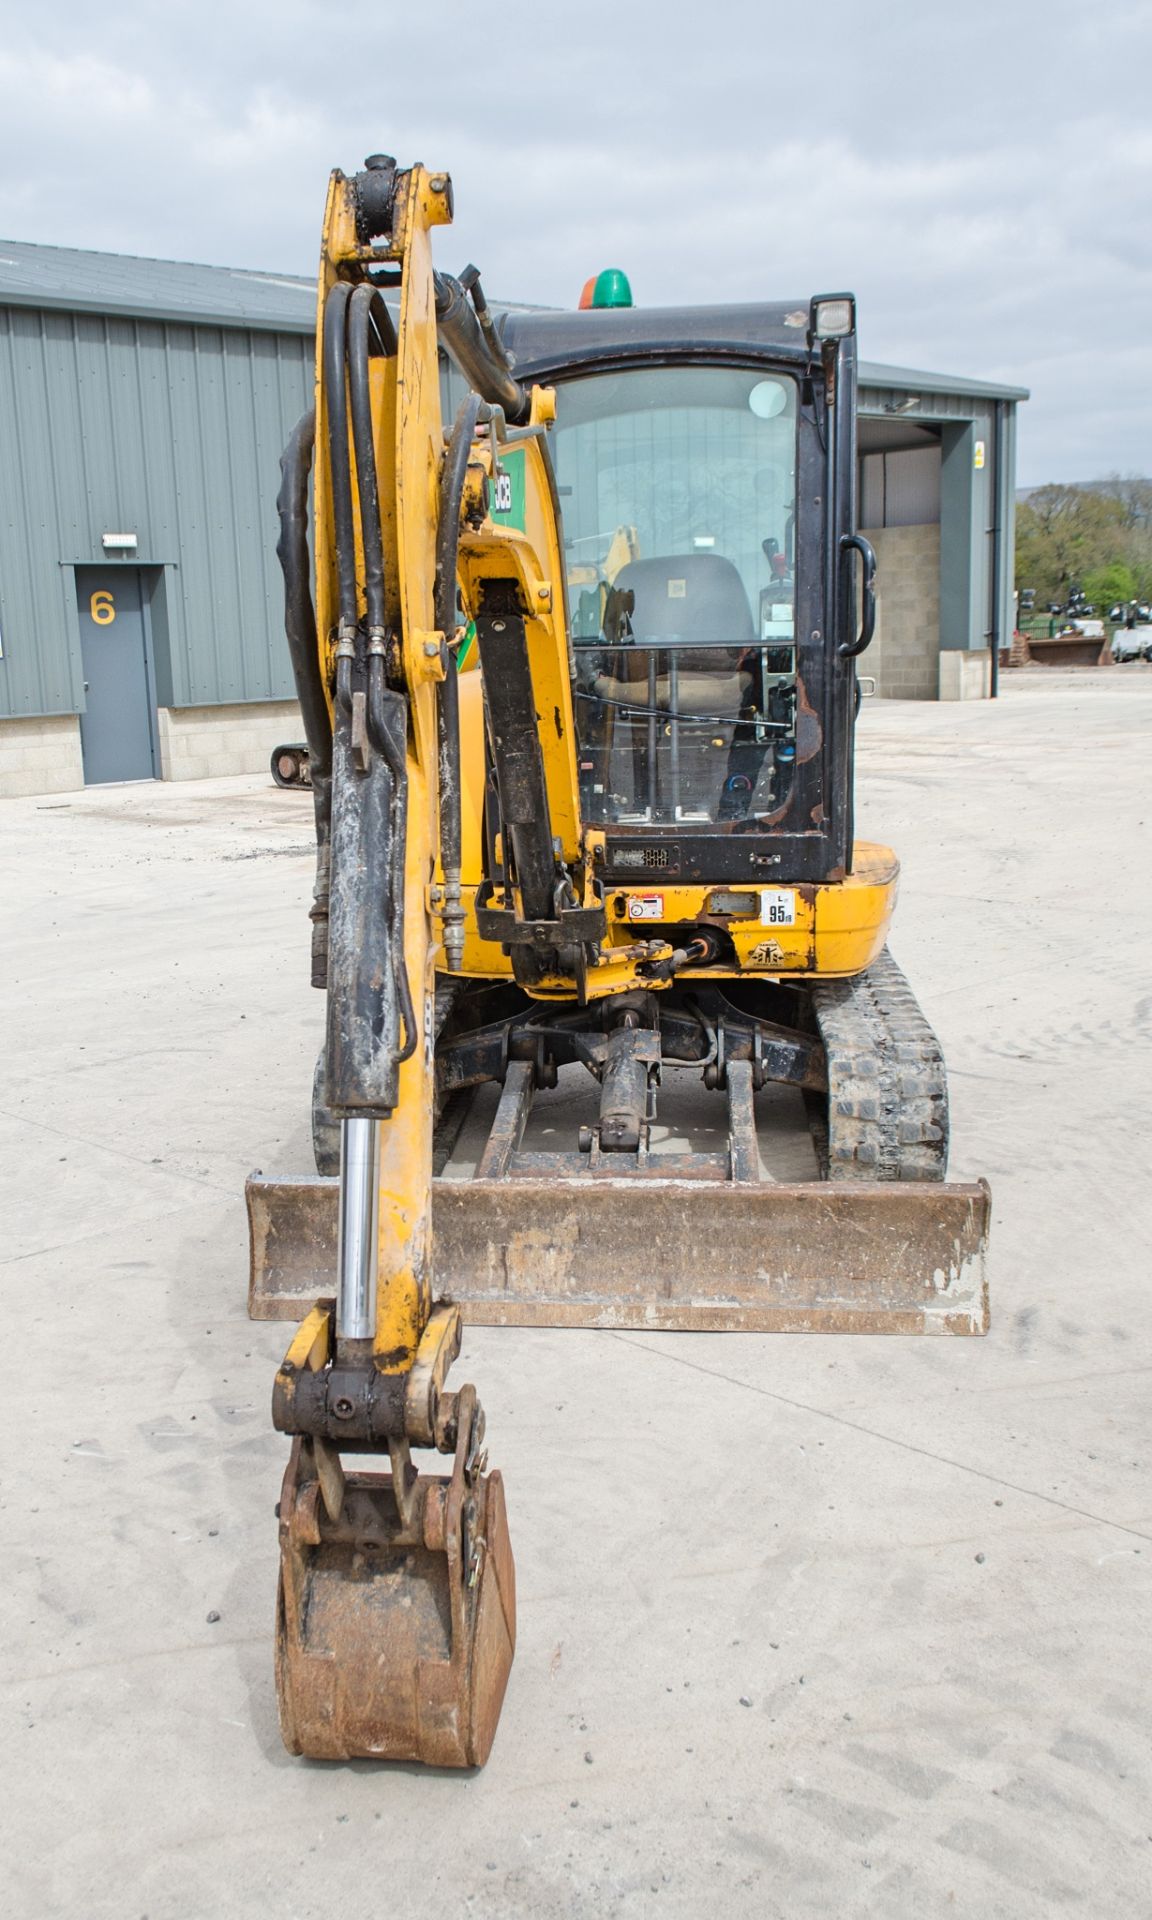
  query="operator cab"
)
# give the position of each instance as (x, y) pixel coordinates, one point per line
(704, 462)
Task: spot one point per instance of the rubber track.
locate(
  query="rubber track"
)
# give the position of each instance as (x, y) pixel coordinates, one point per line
(886, 1116)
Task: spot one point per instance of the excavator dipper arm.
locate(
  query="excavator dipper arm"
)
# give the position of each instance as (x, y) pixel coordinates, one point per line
(396, 1611)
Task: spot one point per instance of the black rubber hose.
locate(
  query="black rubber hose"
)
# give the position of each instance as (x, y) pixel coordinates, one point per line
(383, 327)
(366, 310)
(451, 497)
(388, 727)
(344, 685)
(300, 628)
(480, 359)
(299, 612)
(447, 544)
(339, 460)
(448, 743)
(470, 281)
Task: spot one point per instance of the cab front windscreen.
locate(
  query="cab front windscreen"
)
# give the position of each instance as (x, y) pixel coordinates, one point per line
(677, 490)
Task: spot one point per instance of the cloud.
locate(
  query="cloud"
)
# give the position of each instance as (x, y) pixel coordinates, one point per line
(956, 167)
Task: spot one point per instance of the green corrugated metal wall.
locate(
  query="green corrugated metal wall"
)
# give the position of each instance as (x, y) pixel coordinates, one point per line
(170, 432)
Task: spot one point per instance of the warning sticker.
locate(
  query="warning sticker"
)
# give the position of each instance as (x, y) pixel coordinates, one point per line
(645, 906)
(777, 907)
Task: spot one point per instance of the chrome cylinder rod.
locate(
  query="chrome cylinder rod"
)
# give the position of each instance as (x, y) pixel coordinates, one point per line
(356, 1257)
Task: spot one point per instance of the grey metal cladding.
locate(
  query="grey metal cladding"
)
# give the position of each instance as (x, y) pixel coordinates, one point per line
(172, 432)
(80, 281)
(887, 381)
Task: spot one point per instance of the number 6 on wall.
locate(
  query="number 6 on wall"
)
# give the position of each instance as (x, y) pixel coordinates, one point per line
(102, 607)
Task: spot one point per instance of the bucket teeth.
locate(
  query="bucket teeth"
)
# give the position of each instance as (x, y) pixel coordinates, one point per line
(395, 1632)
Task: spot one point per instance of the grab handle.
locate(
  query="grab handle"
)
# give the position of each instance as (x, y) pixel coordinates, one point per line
(857, 542)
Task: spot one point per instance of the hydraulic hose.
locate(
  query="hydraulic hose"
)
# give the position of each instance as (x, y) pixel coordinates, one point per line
(300, 628)
(383, 327)
(299, 612)
(470, 281)
(477, 351)
(448, 709)
(388, 727)
(339, 461)
(365, 309)
(451, 498)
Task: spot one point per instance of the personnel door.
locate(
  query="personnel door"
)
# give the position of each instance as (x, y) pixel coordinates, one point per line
(117, 726)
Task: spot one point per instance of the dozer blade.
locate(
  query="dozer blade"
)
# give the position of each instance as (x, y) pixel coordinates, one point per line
(396, 1619)
(819, 1257)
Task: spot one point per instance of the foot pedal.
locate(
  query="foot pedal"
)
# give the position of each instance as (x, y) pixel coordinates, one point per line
(396, 1619)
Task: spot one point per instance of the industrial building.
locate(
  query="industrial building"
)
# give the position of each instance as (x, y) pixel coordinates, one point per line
(143, 407)
(937, 493)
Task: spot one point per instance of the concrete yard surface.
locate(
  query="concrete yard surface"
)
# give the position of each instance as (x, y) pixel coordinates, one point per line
(808, 1626)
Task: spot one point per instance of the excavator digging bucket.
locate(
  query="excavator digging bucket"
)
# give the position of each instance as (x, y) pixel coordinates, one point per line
(394, 1632)
(816, 1257)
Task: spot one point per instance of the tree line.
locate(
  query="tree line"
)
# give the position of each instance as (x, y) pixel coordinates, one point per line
(1096, 537)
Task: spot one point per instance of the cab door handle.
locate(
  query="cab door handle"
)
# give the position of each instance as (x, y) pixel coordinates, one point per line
(855, 542)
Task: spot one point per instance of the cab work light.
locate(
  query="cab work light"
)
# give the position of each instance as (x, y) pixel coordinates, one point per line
(832, 315)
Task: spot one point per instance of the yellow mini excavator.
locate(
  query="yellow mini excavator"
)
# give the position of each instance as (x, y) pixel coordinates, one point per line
(579, 687)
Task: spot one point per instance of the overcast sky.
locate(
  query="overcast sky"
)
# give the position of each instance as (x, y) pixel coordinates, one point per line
(978, 174)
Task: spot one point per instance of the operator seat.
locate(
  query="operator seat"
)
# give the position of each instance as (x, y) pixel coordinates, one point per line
(678, 598)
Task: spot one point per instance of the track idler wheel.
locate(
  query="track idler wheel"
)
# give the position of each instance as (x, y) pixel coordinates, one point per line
(396, 1617)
